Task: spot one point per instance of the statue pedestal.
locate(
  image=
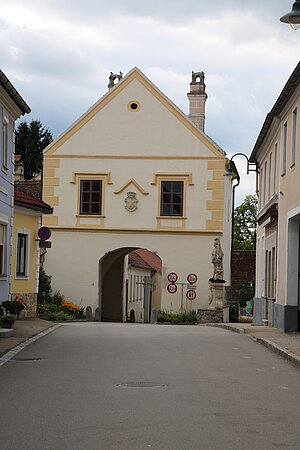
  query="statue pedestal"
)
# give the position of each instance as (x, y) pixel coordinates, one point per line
(216, 295)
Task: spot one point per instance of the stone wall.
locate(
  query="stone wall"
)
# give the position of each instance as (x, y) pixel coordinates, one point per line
(30, 302)
(209, 316)
(243, 270)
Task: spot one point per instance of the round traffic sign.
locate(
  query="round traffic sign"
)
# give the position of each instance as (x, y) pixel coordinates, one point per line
(192, 278)
(172, 288)
(44, 233)
(191, 295)
(172, 277)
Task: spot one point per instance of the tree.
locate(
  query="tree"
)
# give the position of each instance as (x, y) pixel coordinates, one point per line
(244, 230)
(31, 140)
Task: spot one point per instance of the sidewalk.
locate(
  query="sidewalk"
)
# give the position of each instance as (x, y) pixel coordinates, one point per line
(23, 330)
(286, 345)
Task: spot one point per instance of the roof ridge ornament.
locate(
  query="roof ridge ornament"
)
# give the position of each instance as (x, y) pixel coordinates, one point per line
(112, 78)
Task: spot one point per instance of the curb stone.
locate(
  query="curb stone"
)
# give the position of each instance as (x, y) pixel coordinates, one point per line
(275, 348)
(14, 351)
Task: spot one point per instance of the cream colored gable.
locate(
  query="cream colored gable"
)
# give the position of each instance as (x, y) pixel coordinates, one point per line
(158, 128)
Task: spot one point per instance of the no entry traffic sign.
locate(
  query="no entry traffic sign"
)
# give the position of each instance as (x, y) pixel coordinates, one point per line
(172, 288)
(192, 278)
(172, 277)
(44, 233)
(191, 295)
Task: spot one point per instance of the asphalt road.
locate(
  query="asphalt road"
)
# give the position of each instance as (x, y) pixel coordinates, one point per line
(214, 389)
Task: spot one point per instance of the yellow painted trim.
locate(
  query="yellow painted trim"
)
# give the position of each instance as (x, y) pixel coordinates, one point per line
(52, 201)
(48, 191)
(49, 171)
(218, 195)
(108, 97)
(83, 176)
(54, 181)
(138, 106)
(135, 183)
(158, 157)
(171, 217)
(214, 225)
(173, 177)
(50, 220)
(52, 162)
(91, 176)
(93, 229)
(218, 175)
(214, 205)
(217, 215)
(216, 164)
(91, 216)
(215, 184)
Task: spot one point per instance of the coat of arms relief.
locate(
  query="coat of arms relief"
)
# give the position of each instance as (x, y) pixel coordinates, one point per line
(131, 202)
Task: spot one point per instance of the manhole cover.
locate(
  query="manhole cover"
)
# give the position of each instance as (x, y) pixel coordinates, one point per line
(27, 359)
(140, 384)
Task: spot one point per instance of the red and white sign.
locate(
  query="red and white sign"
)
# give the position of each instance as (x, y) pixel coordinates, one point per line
(172, 277)
(191, 295)
(172, 288)
(192, 278)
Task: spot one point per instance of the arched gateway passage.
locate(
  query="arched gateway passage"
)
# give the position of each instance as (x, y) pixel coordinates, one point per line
(126, 284)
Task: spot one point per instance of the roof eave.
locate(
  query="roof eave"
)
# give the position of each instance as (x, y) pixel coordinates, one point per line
(13, 93)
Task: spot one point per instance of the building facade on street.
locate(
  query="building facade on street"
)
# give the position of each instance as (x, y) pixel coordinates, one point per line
(28, 212)
(277, 153)
(135, 172)
(142, 285)
(12, 106)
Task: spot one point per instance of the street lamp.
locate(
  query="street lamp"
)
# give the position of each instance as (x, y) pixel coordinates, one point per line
(293, 17)
(232, 171)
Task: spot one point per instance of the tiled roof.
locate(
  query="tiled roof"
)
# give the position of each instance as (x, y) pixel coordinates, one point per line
(32, 188)
(27, 201)
(145, 259)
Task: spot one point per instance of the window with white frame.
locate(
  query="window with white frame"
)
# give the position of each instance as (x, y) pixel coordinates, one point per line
(265, 184)
(275, 169)
(5, 131)
(22, 255)
(3, 247)
(284, 144)
(294, 136)
(261, 187)
(270, 175)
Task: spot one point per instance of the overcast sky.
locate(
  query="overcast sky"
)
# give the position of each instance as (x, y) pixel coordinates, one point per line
(59, 54)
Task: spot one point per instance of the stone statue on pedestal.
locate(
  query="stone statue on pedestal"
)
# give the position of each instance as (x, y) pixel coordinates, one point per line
(217, 261)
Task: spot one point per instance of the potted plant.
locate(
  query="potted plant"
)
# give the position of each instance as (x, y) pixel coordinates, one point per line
(7, 321)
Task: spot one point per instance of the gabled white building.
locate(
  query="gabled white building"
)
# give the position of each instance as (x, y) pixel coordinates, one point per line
(135, 172)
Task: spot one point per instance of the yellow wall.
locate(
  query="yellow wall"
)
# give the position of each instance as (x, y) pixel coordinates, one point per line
(28, 223)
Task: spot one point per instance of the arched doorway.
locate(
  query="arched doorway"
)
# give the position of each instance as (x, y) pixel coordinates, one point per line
(126, 284)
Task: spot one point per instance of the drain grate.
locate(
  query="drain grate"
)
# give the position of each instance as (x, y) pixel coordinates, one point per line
(140, 384)
(27, 359)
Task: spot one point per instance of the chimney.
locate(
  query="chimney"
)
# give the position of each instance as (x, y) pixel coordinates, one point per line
(197, 98)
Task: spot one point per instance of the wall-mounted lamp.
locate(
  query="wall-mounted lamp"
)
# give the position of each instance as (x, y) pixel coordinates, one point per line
(293, 17)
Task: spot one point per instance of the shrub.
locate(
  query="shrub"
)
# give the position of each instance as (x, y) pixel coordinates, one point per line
(10, 307)
(57, 298)
(45, 290)
(246, 293)
(47, 311)
(71, 308)
(178, 318)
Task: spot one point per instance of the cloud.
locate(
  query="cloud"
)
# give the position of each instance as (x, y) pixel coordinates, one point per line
(59, 55)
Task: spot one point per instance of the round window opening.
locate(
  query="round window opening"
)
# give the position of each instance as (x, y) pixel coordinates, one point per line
(134, 106)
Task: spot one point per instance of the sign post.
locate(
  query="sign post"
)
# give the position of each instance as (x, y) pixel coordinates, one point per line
(190, 285)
